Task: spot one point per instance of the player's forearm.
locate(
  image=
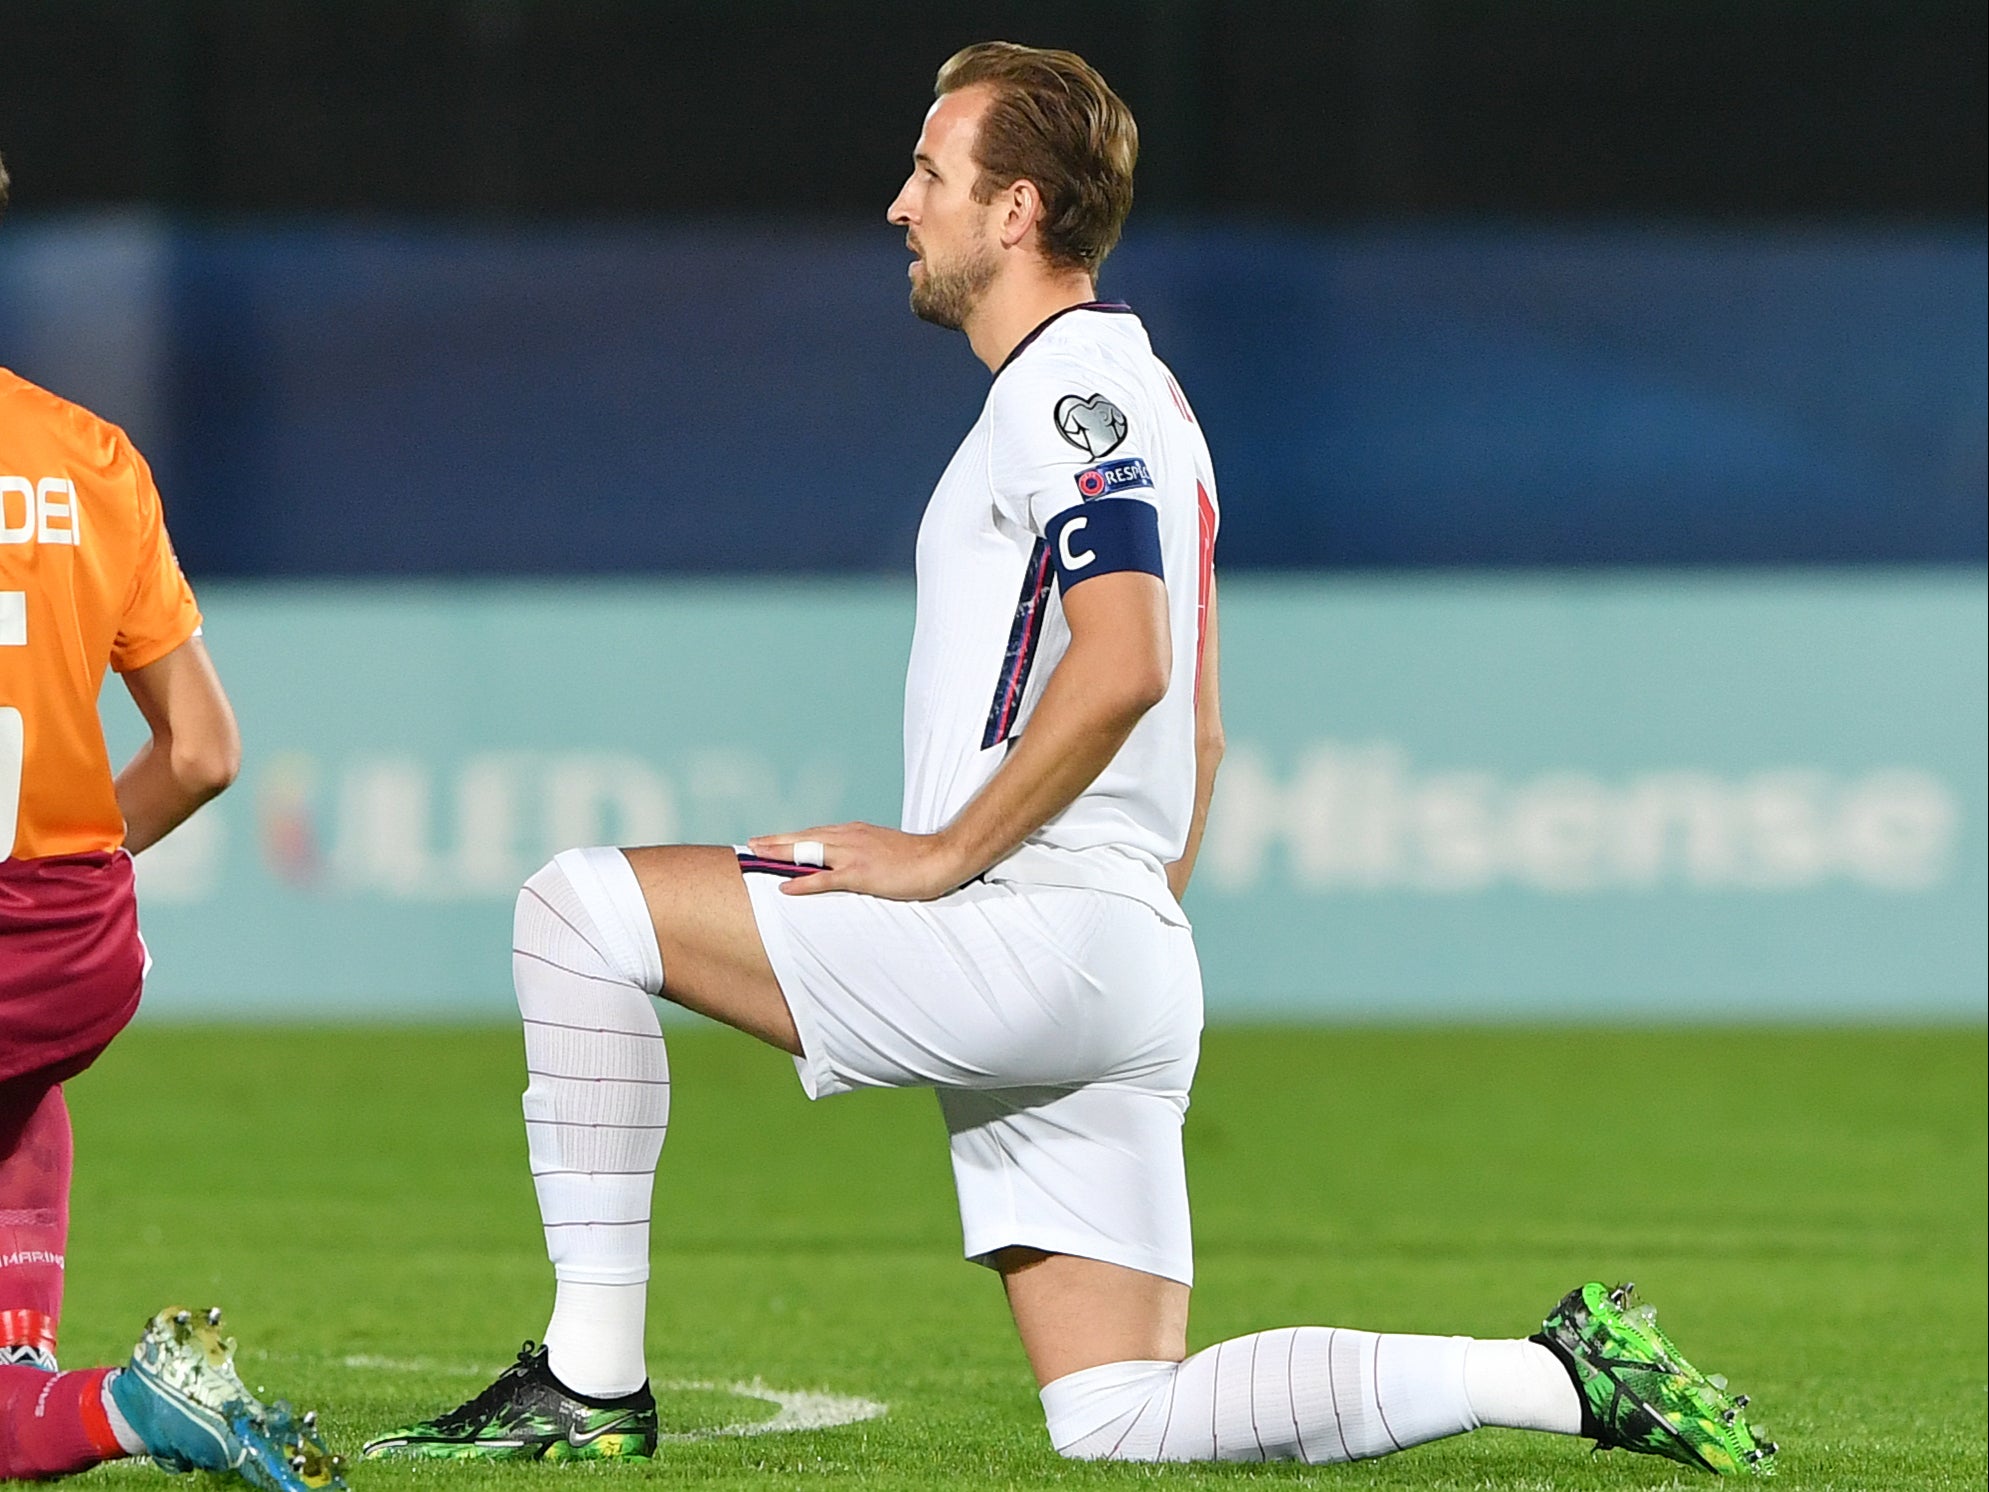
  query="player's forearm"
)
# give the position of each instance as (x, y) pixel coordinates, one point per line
(160, 788)
(1090, 705)
(195, 750)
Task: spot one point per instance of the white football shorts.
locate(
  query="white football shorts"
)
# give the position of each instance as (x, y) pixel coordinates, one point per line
(1060, 1027)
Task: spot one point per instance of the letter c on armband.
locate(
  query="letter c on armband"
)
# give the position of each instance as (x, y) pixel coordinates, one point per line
(1066, 561)
(1120, 533)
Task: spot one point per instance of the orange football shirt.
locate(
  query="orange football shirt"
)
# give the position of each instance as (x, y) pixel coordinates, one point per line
(87, 580)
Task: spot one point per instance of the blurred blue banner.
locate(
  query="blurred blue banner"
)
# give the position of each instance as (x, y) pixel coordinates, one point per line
(340, 400)
(1740, 797)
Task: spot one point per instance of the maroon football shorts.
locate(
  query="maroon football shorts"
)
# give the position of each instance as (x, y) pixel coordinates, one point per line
(71, 964)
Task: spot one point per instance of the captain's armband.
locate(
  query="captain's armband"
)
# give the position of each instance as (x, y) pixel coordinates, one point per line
(1105, 537)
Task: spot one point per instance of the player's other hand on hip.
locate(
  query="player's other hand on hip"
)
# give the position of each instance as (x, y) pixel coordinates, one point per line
(868, 858)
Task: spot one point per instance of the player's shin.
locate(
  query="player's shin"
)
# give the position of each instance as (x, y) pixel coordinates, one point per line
(35, 1164)
(585, 966)
(1307, 1393)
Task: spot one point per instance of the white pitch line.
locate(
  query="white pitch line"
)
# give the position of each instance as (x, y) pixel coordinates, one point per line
(369, 1362)
(794, 1409)
(797, 1409)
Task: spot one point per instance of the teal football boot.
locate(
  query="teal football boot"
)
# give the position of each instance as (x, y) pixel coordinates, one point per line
(181, 1394)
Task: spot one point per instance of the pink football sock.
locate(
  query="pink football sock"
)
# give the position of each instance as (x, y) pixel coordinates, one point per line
(36, 1153)
(53, 1423)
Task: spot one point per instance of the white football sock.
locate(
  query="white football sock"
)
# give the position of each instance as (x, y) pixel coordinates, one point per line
(132, 1442)
(1520, 1385)
(1302, 1393)
(585, 965)
(595, 1337)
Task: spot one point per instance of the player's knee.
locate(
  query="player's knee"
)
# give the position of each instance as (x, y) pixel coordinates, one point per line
(589, 896)
(536, 883)
(545, 891)
(1114, 1412)
(1097, 1445)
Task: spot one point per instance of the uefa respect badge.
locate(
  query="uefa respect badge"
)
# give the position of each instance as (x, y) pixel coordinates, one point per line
(1108, 477)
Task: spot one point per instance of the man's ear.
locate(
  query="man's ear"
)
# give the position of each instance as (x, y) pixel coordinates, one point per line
(1023, 212)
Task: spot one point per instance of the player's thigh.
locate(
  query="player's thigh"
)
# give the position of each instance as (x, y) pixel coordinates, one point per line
(72, 965)
(1095, 1171)
(713, 959)
(990, 986)
(1074, 1313)
(1080, 1200)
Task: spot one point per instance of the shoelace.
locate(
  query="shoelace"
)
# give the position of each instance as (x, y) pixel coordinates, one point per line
(463, 1416)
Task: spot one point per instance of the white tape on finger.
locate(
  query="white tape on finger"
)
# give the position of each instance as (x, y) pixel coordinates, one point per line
(810, 852)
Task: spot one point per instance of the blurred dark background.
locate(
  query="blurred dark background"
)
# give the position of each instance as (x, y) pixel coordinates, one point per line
(571, 286)
(1294, 110)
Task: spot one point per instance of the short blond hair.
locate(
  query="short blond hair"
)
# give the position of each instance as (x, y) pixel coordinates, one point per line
(1055, 122)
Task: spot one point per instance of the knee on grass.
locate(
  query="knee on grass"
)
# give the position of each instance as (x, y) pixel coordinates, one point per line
(1101, 1414)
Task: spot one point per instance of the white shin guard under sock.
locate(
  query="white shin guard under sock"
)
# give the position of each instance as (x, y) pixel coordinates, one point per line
(585, 965)
(1304, 1393)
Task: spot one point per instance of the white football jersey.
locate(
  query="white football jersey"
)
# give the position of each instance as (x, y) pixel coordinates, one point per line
(1082, 410)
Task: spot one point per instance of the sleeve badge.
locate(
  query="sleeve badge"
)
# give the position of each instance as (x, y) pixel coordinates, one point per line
(1096, 426)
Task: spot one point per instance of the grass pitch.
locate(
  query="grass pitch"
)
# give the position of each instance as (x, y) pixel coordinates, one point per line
(1806, 1208)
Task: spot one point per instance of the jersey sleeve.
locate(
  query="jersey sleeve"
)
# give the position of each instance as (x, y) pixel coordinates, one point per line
(159, 609)
(1062, 436)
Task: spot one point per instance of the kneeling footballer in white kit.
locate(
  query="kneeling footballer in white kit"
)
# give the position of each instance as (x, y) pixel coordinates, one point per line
(1018, 945)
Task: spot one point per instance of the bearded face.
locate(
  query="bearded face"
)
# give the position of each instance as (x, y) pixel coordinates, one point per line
(946, 289)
